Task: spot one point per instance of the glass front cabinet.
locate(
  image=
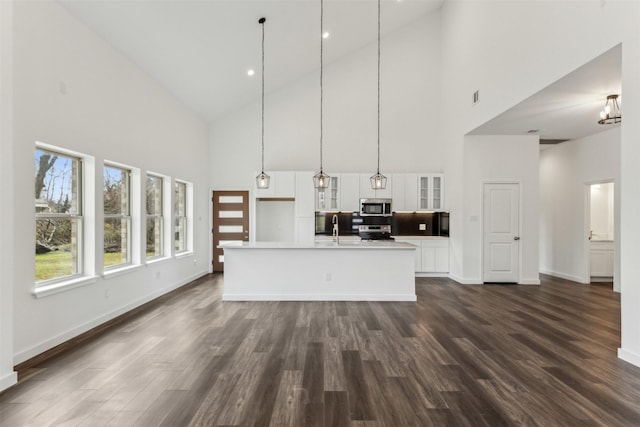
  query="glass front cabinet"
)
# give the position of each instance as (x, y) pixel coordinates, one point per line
(327, 198)
(431, 192)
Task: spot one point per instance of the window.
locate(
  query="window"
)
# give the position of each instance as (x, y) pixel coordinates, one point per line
(180, 216)
(117, 216)
(155, 216)
(59, 221)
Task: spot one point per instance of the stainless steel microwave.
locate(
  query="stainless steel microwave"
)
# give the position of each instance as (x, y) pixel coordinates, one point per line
(375, 207)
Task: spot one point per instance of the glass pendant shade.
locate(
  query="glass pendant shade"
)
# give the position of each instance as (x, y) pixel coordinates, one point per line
(321, 180)
(378, 181)
(611, 111)
(262, 180)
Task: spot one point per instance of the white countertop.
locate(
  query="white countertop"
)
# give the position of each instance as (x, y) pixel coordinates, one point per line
(323, 238)
(348, 244)
(418, 237)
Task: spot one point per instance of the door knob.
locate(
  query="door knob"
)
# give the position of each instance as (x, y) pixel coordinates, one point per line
(516, 238)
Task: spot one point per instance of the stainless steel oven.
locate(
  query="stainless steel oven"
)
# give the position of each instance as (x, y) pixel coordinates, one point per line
(375, 232)
(375, 207)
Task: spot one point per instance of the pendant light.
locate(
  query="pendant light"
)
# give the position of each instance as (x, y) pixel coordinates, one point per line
(262, 180)
(321, 180)
(611, 113)
(378, 181)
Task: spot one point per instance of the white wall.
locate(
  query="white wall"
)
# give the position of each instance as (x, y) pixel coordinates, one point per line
(7, 376)
(410, 112)
(494, 159)
(72, 90)
(501, 49)
(565, 172)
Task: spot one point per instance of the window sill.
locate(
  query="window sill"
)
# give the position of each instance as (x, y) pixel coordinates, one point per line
(159, 260)
(109, 274)
(56, 288)
(184, 254)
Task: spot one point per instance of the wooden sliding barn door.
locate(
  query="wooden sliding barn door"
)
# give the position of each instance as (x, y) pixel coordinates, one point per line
(230, 222)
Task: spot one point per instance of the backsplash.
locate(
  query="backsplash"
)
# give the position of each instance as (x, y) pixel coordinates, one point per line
(420, 224)
(346, 223)
(402, 224)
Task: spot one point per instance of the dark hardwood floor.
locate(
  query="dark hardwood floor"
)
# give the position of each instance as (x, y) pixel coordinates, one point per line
(461, 356)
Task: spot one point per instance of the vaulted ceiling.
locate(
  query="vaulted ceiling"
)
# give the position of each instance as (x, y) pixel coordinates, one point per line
(201, 50)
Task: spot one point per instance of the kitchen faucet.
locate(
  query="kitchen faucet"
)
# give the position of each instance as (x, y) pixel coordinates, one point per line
(336, 233)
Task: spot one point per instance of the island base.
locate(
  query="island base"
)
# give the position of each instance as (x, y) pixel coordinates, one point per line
(289, 274)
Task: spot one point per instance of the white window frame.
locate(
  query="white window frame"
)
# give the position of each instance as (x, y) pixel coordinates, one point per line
(188, 214)
(165, 243)
(126, 216)
(86, 230)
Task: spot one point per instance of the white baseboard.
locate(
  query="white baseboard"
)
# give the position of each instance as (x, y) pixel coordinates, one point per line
(74, 332)
(418, 274)
(319, 297)
(8, 379)
(529, 282)
(563, 276)
(629, 356)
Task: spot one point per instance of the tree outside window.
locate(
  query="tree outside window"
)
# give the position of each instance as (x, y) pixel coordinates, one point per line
(58, 207)
(117, 216)
(180, 216)
(155, 216)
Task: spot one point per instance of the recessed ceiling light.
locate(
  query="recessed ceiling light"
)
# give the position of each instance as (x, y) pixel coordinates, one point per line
(250, 73)
(325, 35)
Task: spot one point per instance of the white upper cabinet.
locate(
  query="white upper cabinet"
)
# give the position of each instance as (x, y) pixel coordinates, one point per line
(350, 192)
(398, 197)
(334, 192)
(327, 199)
(282, 184)
(304, 194)
(430, 192)
(408, 191)
(437, 191)
(342, 194)
(415, 192)
(405, 192)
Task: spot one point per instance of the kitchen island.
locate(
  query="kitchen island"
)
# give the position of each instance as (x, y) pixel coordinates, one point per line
(323, 271)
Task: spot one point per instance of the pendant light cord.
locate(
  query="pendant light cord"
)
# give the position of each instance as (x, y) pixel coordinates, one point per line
(378, 170)
(262, 74)
(321, 73)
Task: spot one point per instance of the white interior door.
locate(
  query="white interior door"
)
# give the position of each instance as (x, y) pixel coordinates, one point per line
(501, 233)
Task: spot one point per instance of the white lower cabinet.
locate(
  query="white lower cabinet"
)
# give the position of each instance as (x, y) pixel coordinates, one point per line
(441, 255)
(432, 254)
(418, 252)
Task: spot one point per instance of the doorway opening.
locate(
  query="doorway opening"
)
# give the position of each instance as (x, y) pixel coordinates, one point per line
(601, 226)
